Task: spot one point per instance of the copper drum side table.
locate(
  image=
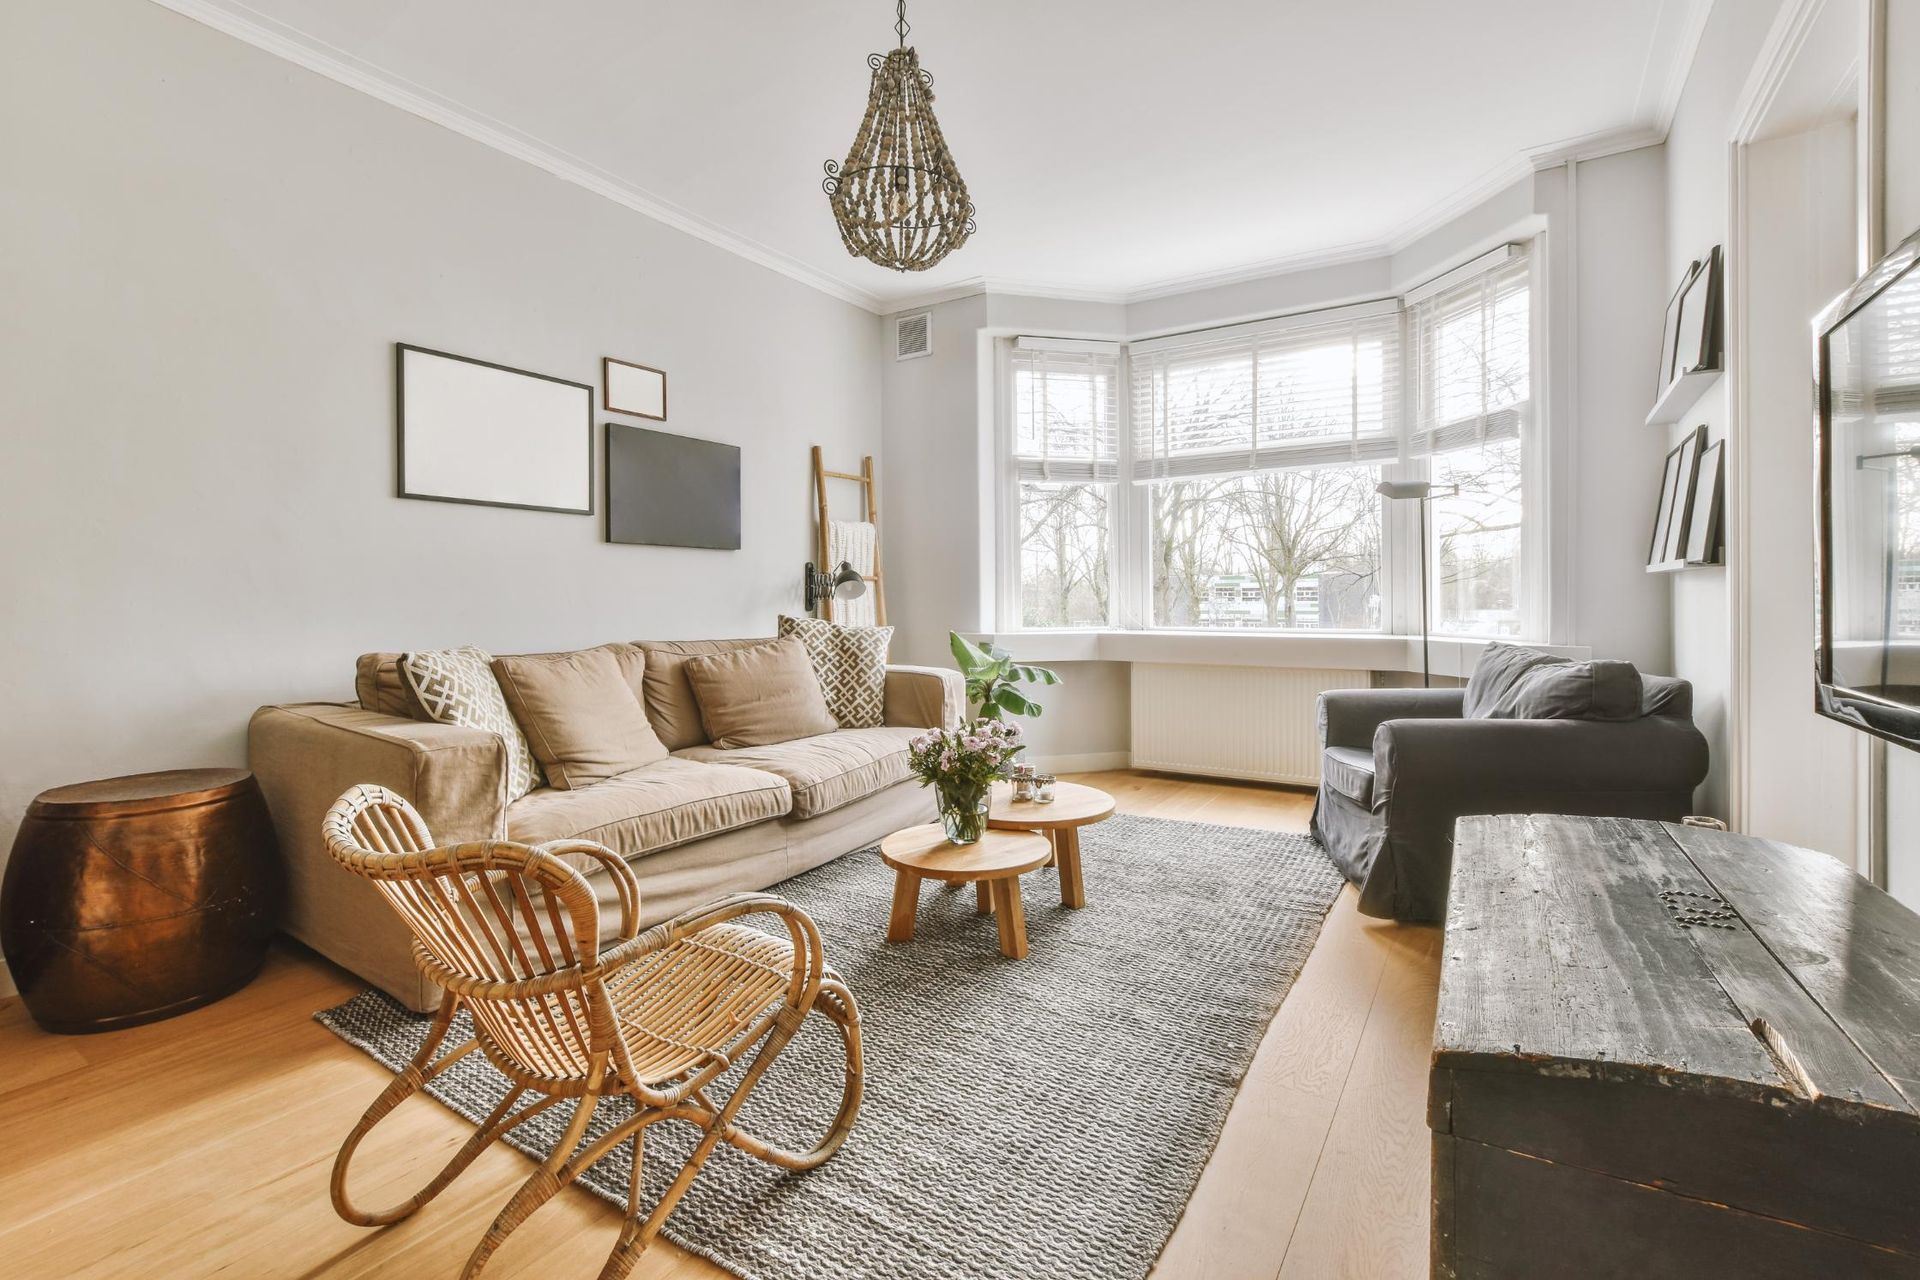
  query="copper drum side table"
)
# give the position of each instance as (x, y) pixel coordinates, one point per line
(133, 899)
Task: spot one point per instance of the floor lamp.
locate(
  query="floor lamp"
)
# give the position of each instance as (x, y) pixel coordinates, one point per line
(1423, 492)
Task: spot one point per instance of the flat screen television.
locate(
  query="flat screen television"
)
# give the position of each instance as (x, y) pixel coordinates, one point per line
(1867, 568)
(671, 491)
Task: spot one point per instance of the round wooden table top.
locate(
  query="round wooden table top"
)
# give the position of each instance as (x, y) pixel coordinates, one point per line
(925, 851)
(1074, 805)
(176, 787)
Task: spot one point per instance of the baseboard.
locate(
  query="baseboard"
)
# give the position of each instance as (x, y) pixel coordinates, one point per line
(1087, 762)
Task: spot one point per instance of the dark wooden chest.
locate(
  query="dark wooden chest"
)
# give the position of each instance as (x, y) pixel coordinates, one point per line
(1663, 1051)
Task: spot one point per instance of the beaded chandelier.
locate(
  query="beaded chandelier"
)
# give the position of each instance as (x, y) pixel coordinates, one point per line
(898, 199)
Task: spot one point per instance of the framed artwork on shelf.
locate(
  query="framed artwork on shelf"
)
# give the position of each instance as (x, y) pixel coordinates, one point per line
(1671, 520)
(1697, 328)
(475, 432)
(633, 388)
(1669, 333)
(1704, 524)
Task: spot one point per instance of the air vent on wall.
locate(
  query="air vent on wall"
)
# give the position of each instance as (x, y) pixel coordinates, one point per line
(913, 336)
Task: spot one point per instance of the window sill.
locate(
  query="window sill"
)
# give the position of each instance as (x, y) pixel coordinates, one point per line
(1334, 650)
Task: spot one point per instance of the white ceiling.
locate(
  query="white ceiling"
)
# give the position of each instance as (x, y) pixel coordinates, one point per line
(1113, 147)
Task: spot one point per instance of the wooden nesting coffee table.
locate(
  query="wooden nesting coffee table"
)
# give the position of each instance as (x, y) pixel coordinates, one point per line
(1073, 807)
(995, 864)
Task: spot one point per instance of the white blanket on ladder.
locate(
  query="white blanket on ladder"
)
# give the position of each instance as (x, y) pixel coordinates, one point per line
(853, 542)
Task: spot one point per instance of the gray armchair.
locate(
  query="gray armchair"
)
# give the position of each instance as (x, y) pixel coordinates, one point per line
(1398, 766)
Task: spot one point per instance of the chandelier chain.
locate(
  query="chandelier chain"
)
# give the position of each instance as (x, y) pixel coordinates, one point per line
(900, 22)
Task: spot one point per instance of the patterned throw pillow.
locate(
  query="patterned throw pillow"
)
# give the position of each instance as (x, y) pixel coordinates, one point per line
(852, 665)
(456, 686)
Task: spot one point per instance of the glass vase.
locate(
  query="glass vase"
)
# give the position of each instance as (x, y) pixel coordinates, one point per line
(963, 815)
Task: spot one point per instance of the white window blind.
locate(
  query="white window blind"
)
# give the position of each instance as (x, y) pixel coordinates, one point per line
(1469, 350)
(1264, 397)
(1066, 410)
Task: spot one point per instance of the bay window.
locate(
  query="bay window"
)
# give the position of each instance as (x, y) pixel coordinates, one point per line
(1233, 485)
(1065, 450)
(1471, 352)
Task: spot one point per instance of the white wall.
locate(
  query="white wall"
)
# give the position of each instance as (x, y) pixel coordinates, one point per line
(1696, 156)
(206, 255)
(1800, 253)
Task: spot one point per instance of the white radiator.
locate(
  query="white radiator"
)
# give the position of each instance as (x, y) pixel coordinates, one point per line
(1258, 723)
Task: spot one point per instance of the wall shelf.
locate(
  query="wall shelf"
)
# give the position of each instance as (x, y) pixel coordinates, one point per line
(1675, 566)
(1680, 396)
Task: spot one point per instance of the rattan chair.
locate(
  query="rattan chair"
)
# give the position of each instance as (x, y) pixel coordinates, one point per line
(511, 932)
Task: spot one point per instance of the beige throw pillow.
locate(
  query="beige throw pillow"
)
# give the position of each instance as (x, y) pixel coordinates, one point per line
(851, 663)
(754, 697)
(581, 712)
(456, 686)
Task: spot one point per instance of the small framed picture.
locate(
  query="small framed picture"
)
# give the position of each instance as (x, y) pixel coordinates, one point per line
(1670, 332)
(1703, 526)
(1671, 522)
(1697, 331)
(1688, 451)
(1663, 518)
(633, 388)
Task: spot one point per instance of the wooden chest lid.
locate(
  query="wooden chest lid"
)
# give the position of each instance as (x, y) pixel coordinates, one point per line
(1638, 951)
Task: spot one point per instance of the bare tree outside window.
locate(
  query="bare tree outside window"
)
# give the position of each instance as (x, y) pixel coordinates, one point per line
(1064, 579)
(1287, 549)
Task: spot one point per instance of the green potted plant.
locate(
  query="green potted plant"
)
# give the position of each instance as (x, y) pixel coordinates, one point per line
(991, 673)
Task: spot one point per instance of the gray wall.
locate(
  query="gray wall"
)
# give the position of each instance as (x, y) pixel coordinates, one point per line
(206, 255)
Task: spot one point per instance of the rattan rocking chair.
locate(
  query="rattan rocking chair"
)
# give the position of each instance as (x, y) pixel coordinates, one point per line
(511, 932)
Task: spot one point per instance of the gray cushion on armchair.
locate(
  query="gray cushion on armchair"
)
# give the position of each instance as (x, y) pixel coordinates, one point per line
(1399, 766)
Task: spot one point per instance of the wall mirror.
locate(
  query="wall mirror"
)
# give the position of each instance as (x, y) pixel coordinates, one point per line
(1867, 358)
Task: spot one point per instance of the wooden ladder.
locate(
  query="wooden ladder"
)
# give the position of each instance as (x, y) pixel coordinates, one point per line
(871, 505)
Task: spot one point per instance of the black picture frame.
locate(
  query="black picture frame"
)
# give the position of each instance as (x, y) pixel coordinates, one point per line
(1667, 548)
(403, 488)
(1670, 331)
(1697, 329)
(1704, 522)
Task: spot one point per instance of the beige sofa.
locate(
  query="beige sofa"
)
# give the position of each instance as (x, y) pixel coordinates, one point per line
(702, 823)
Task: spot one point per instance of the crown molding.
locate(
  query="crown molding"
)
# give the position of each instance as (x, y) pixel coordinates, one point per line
(303, 50)
(1677, 33)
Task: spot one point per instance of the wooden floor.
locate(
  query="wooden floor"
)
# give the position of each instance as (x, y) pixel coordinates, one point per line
(201, 1146)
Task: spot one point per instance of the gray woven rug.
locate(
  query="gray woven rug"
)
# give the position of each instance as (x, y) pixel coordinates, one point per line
(1045, 1117)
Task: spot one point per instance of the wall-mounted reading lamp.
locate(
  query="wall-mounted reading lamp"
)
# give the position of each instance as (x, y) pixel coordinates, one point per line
(1423, 492)
(844, 583)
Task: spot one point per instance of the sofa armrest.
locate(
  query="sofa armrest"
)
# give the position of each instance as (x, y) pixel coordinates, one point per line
(1494, 766)
(1348, 717)
(305, 757)
(925, 698)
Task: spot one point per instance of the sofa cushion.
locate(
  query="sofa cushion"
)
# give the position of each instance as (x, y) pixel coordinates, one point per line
(669, 698)
(581, 712)
(753, 697)
(828, 771)
(1512, 682)
(457, 686)
(667, 803)
(379, 686)
(1349, 770)
(852, 665)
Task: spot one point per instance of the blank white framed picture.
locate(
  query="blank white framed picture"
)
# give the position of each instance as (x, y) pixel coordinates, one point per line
(470, 431)
(637, 389)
